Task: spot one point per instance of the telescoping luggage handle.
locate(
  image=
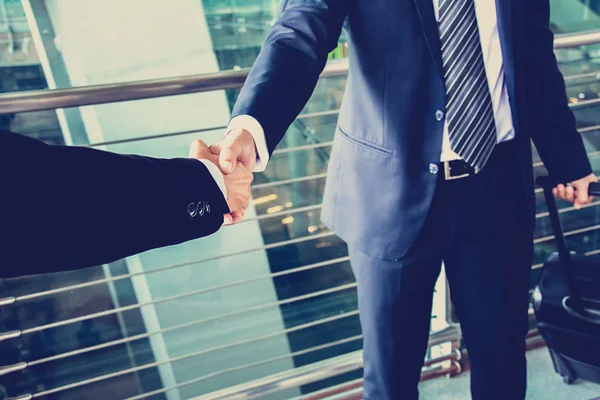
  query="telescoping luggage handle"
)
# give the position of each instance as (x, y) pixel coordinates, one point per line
(571, 303)
(548, 184)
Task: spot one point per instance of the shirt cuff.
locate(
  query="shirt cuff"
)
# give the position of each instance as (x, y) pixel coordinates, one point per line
(258, 134)
(217, 176)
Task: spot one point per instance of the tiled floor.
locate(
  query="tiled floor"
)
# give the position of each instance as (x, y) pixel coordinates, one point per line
(543, 384)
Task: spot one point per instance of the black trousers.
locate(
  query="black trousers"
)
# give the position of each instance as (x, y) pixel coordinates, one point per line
(481, 229)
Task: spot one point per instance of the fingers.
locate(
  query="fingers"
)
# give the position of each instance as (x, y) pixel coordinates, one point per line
(581, 195)
(243, 176)
(248, 159)
(238, 193)
(237, 159)
(234, 218)
(228, 154)
(228, 157)
(238, 216)
(215, 148)
(199, 149)
(570, 194)
(563, 192)
(576, 193)
(238, 203)
(559, 191)
(237, 146)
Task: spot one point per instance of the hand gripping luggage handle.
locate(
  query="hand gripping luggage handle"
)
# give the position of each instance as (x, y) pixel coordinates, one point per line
(548, 184)
(572, 304)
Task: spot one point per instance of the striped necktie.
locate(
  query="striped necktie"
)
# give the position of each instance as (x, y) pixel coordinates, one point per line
(471, 125)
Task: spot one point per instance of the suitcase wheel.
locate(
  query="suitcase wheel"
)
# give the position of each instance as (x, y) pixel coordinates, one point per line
(568, 380)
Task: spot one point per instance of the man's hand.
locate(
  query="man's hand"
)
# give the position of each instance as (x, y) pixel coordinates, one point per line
(576, 191)
(237, 183)
(238, 145)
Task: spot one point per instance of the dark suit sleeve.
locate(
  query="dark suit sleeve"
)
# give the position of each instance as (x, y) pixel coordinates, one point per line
(288, 67)
(65, 208)
(552, 123)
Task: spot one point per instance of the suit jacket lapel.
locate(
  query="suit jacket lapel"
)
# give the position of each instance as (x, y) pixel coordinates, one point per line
(430, 30)
(504, 11)
(506, 26)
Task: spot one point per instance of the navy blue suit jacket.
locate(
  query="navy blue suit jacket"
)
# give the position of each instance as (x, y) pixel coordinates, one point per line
(65, 208)
(379, 187)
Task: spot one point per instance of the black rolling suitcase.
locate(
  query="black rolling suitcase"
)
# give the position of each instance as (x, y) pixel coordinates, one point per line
(567, 304)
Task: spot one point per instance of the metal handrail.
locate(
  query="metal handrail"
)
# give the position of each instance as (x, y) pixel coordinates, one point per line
(38, 100)
(301, 376)
(567, 40)
(329, 392)
(285, 212)
(313, 372)
(585, 103)
(317, 372)
(291, 378)
(12, 300)
(316, 114)
(569, 233)
(203, 352)
(258, 389)
(171, 329)
(258, 307)
(587, 253)
(452, 333)
(243, 367)
(304, 178)
(544, 214)
(191, 381)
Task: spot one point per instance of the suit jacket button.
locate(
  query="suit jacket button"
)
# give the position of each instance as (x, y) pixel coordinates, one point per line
(434, 169)
(207, 206)
(192, 210)
(201, 208)
(439, 115)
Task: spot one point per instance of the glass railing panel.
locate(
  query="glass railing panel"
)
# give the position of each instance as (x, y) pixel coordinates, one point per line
(568, 16)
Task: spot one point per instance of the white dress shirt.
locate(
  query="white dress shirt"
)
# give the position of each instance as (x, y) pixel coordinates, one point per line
(217, 175)
(494, 67)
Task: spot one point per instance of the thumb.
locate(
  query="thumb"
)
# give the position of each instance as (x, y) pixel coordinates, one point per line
(199, 149)
(227, 159)
(582, 194)
(215, 148)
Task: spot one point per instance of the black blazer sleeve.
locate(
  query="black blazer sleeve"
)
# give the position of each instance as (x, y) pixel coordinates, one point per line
(65, 208)
(289, 64)
(552, 123)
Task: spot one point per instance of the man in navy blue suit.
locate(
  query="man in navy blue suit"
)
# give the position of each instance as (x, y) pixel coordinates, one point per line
(431, 162)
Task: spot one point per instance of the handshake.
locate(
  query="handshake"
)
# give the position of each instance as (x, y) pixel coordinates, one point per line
(235, 156)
